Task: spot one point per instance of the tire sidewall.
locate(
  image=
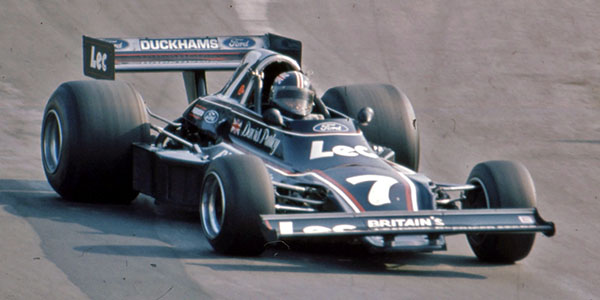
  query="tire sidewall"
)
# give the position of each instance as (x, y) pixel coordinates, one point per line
(394, 122)
(507, 184)
(248, 193)
(62, 101)
(99, 121)
(504, 184)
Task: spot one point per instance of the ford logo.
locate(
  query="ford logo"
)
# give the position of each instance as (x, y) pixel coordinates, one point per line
(330, 127)
(239, 42)
(119, 44)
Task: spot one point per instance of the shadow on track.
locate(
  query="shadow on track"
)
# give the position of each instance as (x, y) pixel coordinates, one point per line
(322, 262)
(144, 230)
(140, 222)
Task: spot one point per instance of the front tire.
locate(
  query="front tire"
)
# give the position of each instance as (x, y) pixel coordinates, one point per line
(236, 190)
(86, 138)
(394, 124)
(502, 184)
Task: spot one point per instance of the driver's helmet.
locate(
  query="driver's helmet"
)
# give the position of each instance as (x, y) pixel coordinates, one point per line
(293, 94)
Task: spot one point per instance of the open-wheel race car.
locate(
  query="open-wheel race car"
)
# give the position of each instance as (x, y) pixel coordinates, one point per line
(266, 159)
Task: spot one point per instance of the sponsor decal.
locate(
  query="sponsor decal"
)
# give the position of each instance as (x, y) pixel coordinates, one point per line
(526, 220)
(287, 227)
(323, 229)
(179, 44)
(379, 193)
(211, 116)
(330, 127)
(222, 153)
(430, 223)
(405, 222)
(259, 135)
(119, 44)
(241, 90)
(236, 126)
(316, 151)
(98, 60)
(197, 112)
(238, 42)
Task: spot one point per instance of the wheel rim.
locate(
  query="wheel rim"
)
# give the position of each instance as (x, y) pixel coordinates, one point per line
(479, 182)
(52, 141)
(478, 239)
(212, 206)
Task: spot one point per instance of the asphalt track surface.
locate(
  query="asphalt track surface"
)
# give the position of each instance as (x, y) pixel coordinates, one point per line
(515, 80)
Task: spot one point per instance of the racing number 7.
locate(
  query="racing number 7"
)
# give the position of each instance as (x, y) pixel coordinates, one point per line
(379, 194)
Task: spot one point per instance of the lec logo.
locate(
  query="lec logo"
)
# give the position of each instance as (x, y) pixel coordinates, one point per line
(98, 60)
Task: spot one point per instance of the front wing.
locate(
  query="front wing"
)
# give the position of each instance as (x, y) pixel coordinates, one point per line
(391, 223)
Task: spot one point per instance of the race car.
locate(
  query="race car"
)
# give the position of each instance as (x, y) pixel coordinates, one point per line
(266, 159)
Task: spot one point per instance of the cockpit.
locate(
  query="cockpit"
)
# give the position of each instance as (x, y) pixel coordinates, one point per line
(253, 79)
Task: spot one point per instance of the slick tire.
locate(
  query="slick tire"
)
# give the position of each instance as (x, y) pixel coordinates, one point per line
(86, 138)
(503, 184)
(236, 190)
(394, 124)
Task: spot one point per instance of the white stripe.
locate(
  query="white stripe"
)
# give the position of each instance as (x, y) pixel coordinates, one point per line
(299, 80)
(325, 181)
(286, 228)
(413, 191)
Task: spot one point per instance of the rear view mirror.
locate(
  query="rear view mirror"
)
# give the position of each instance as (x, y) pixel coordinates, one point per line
(365, 116)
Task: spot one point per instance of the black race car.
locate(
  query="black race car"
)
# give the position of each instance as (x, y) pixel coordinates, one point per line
(265, 159)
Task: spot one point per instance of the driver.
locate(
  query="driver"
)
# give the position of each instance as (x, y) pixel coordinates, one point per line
(294, 96)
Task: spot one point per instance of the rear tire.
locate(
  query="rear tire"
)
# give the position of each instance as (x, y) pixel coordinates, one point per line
(86, 138)
(394, 124)
(503, 184)
(236, 190)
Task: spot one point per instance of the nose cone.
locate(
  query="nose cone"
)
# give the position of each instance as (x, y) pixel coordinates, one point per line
(372, 189)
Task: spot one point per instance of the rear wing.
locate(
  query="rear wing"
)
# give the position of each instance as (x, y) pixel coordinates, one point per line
(104, 57)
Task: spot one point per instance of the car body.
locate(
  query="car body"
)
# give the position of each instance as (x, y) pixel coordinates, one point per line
(328, 179)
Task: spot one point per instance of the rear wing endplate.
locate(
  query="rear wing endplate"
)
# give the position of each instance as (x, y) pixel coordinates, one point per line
(105, 56)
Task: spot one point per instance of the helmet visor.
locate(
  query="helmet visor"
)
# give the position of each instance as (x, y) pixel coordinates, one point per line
(295, 100)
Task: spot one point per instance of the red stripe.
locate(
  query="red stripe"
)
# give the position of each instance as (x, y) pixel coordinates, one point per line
(177, 54)
(341, 187)
(320, 173)
(118, 61)
(268, 225)
(407, 195)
